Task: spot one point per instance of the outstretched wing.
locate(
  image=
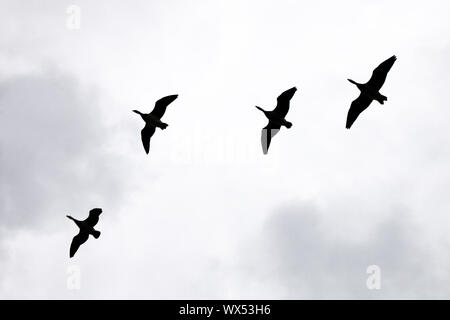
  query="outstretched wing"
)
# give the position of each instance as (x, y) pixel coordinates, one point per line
(93, 217)
(77, 241)
(146, 134)
(267, 133)
(359, 105)
(161, 105)
(283, 101)
(380, 73)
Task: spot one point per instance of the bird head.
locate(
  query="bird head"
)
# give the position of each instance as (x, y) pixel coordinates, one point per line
(259, 108)
(138, 112)
(351, 81)
(72, 218)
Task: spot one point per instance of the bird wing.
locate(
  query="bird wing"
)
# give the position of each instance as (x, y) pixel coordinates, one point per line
(146, 134)
(267, 133)
(380, 73)
(77, 241)
(161, 105)
(93, 217)
(283, 100)
(359, 105)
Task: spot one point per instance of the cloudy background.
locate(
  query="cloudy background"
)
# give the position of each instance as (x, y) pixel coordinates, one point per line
(206, 215)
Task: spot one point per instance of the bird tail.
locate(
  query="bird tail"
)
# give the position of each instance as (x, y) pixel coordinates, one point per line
(381, 99)
(259, 108)
(96, 234)
(69, 217)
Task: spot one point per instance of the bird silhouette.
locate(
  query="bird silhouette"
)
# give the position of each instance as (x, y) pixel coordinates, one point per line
(86, 229)
(369, 91)
(276, 118)
(153, 120)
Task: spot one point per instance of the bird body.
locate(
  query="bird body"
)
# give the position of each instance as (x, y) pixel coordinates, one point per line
(369, 91)
(276, 118)
(153, 120)
(86, 228)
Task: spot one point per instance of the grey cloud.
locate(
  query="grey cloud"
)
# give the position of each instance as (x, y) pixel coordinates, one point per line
(52, 150)
(296, 251)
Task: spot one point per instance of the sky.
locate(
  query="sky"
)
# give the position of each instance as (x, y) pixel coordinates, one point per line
(206, 215)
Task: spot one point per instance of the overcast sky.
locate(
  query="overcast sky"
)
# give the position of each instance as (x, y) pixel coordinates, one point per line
(206, 214)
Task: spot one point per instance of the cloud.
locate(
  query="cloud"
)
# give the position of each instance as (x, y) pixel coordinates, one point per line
(53, 150)
(298, 255)
(56, 157)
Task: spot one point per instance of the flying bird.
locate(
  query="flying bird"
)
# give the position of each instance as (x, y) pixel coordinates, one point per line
(153, 120)
(276, 118)
(369, 91)
(86, 229)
